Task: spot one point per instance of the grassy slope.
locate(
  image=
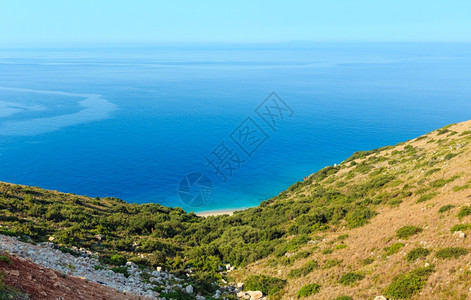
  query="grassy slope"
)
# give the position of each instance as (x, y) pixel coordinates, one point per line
(360, 204)
(73, 220)
(426, 169)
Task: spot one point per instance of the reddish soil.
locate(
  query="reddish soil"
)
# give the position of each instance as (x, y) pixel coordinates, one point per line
(43, 283)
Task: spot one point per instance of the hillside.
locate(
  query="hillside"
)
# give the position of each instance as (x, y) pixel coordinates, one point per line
(391, 221)
(28, 278)
(373, 211)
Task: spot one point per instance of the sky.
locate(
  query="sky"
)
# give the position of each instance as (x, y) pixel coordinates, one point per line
(62, 22)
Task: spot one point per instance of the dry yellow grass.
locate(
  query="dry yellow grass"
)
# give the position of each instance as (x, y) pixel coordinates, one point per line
(451, 278)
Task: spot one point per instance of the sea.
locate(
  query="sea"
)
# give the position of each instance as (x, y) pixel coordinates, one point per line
(212, 127)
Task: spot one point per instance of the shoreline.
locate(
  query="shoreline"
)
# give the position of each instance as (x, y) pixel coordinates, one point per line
(218, 212)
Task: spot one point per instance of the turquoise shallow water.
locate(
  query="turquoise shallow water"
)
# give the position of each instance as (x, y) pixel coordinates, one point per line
(132, 122)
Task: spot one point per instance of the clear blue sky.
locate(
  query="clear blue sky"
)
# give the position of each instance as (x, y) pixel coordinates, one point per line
(39, 22)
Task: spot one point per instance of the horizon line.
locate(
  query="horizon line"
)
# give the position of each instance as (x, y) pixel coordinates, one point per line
(216, 43)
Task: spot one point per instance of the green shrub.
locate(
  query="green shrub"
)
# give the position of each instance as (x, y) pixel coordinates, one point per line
(325, 172)
(363, 168)
(430, 172)
(327, 251)
(6, 259)
(464, 211)
(70, 251)
(460, 188)
(426, 197)
(363, 154)
(407, 231)
(422, 137)
(459, 227)
(394, 248)
(157, 258)
(304, 270)
(123, 270)
(443, 131)
(394, 202)
(308, 290)
(451, 252)
(343, 298)
(8, 292)
(367, 261)
(117, 260)
(406, 285)
(341, 246)
(332, 263)
(266, 284)
(450, 156)
(350, 278)
(301, 254)
(442, 182)
(359, 216)
(416, 253)
(445, 208)
(177, 295)
(438, 183)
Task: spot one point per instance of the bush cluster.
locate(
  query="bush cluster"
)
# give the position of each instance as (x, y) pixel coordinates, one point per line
(451, 252)
(464, 211)
(460, 227)
(426, 197)
(332, 263)
(304, 270)
(416, 253)
(350, 278)
(308, 290)
(445, 208)
(408, 231)
(406, 285)
(266, 284)
(394, 248)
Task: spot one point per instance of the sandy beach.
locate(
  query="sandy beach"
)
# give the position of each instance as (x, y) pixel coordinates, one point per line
(218, 212)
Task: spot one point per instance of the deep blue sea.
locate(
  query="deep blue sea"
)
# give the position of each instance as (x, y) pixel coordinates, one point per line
(131, 122)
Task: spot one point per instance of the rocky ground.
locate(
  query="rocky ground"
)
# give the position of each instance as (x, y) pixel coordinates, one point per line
(48, 273)
(40, 283)
(85, 266)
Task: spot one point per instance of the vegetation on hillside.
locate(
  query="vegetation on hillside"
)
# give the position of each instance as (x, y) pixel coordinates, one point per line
(307, 229)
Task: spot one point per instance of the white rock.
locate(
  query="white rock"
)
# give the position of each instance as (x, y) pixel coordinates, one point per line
(380, 298)
(44, 254)
(460, 234)
(255, 295)
(189, 289)
(240, 294)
